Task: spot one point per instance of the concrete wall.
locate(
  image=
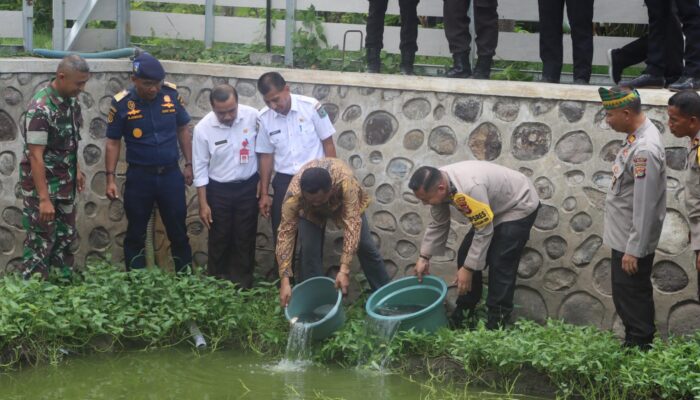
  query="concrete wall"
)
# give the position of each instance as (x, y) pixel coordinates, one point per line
(388, 126)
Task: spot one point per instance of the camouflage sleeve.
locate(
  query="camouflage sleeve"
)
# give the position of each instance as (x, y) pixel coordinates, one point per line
(37, 124)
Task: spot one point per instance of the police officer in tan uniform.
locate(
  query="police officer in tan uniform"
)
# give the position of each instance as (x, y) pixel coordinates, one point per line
(501, 205)
(635, 207)
(684, 121)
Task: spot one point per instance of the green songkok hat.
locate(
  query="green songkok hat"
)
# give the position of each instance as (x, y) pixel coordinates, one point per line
(614, 99)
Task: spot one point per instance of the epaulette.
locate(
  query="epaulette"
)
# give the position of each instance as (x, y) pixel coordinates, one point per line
(120, 96)
(170, 85)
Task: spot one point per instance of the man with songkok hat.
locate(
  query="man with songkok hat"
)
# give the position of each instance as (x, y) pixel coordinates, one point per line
(152, 120)
(635, 207)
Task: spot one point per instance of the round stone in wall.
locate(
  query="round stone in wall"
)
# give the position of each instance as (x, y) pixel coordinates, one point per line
(24, 78)
(11, 96)
(529, 305)
(413, 140)
(405, 249)
(601, 277)
(352, 113)
(98, 185)
(202, 100)
(116, 210)
(669, 277)
(86, 101)
(581, 308)
(383, 220)
(399, 168)
(555, 246)
(379, 127)
(570, 203)
(602, 179)
(531, 140)
(409, 197)
(595, 197)
(684, 319)
(7, 240)
(580, 222)
(114, 86)
(376, 157)
(610, 150)
(443, 140)
(385, 193)
(448, 256)
(99, 238)
(368, 180)
(545, 187)
(676, 157)
(526, 171)
(332, 110)
(467, 109)
(356, 161)
(438, 112)
(530, 262)
(390, 94)
(365, 91)
(507, 110)
(347, 140)
(8, 128)
(659, 125)
(416, 109)
(571, 110)
(575, 177)
(320, 92)
(391, 268)
(246, 88)
(342, 91)
(485, 142)
(585, 252)
(7, 163)
(674, 233)
(574, 147)
(547, 218)
(195, 228)
(92, 154)
(542, 107)
(98, 128)
(412, 223)
(13, 217)
(672, 183)
(559, 279)
(104, 105)
(90, 209)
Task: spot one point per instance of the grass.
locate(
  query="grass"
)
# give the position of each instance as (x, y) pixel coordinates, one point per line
(108, 309)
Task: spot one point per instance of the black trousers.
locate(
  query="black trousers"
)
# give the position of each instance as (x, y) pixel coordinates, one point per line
(234, 209)
(660, 16)
(633, 296)
(636, 52)
(580, 13)
(456, 19)
(409, 25)
(502, 259)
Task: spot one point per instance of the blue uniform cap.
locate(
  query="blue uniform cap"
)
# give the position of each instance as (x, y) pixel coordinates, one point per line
(148, 67)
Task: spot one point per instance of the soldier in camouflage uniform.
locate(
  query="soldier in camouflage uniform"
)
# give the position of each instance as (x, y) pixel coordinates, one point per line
(49, 172)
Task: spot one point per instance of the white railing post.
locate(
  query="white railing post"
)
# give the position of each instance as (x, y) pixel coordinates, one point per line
(208, 23)
(289, 28)
(59, 23)
(123, 23)
(28, 24)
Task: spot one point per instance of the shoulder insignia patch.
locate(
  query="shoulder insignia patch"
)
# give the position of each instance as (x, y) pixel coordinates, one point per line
(321, 111)
(120, 96)
(478, 213)
(170, 85)
(640, 167)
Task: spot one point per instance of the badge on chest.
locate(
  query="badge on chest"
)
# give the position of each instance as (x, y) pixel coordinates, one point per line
(244, 153)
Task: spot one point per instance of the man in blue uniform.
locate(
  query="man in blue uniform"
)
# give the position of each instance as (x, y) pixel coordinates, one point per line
(152, 120)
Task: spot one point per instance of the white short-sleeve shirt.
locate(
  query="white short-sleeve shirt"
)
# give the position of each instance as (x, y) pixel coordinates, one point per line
(295, 138)
(219, 151)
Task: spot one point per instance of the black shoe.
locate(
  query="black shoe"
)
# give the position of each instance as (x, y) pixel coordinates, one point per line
(461, 67)
(645, 81)
(482, 69)
(580, 81)
(374, 62)
(670, 80)
(407, 59)
(614, 70)
(685, 83)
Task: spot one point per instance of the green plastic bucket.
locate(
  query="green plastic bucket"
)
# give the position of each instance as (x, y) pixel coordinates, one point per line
(417, 305)
(317, 303)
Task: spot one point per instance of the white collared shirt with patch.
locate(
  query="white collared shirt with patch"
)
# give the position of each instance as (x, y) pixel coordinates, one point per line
(295, 138)
(216, 148)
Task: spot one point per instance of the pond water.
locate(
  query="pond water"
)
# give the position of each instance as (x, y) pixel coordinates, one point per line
(225, 374)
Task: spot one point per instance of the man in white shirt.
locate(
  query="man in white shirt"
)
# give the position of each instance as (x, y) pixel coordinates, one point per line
(226, 177)
(292, 130)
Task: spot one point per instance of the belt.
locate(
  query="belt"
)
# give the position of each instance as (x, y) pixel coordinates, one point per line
(154, 169)
(251, 178)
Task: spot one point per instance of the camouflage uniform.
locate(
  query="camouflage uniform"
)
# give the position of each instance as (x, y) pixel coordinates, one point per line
(54, 122)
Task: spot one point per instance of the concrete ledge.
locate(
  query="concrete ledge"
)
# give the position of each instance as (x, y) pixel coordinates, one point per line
(535, 90)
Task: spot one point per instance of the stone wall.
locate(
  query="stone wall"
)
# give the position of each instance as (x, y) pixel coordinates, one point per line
(386, 127)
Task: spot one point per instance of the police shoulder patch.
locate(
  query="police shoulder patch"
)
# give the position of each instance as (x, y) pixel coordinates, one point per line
(170, 85)
(121, 95)
(321, 111)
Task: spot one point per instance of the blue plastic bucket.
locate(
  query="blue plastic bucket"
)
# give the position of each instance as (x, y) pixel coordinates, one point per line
(417, 305)
(317, 303)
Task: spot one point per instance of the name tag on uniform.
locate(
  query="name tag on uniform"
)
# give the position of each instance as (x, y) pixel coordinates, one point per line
(220, 142)
(275, 132)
